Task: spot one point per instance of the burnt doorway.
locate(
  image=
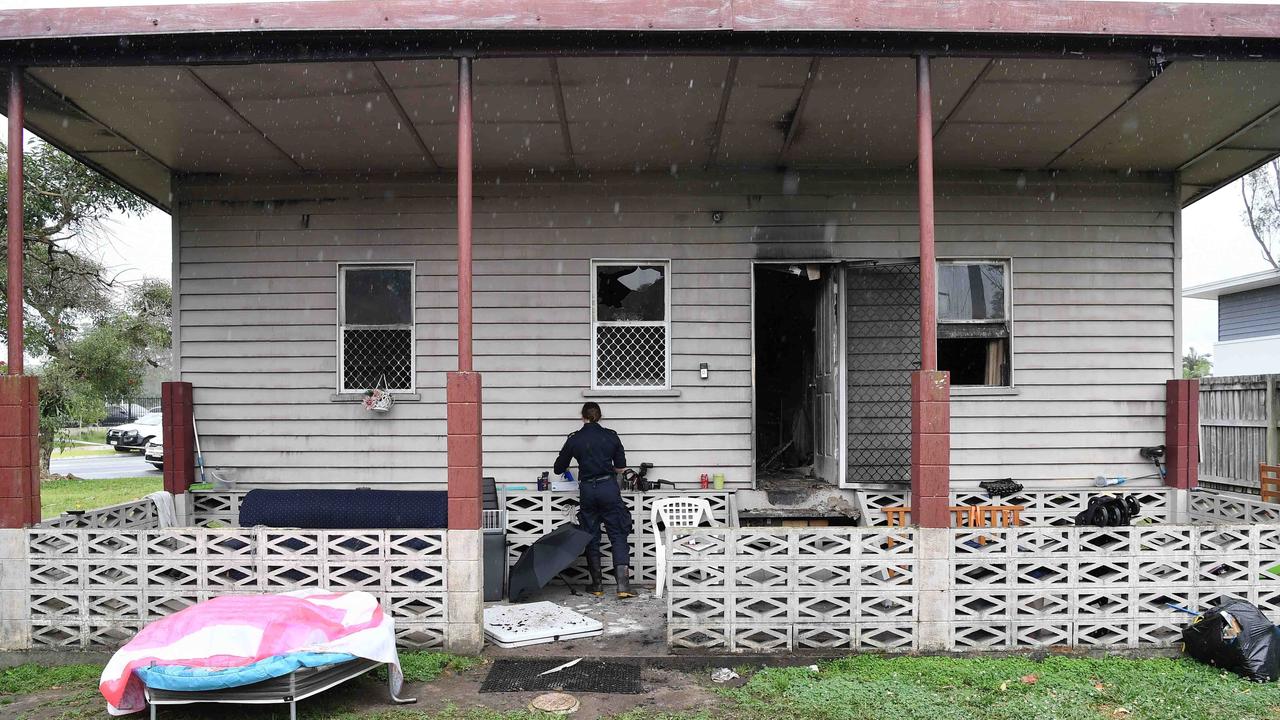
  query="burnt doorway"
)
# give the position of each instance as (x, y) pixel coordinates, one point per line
(798, 360)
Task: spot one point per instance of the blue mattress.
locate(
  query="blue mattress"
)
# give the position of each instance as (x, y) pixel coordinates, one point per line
(183, 678)
(346, 509)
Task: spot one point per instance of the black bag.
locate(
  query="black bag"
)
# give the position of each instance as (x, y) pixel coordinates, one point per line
(1001, 488)
(1235, 636)
(1109, 511)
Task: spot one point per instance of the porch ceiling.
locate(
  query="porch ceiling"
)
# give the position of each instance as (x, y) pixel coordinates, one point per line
(1210, 119)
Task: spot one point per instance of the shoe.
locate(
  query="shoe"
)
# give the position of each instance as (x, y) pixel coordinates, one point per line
(622, 573)
(597, 577)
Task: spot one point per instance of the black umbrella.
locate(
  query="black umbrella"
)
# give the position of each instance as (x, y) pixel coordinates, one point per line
(546, 558)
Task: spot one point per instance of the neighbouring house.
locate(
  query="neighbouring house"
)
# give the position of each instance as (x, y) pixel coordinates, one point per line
(848, 256)
(1248, 322)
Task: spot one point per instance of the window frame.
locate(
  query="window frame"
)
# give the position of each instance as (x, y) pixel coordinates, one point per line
(341, 326)
(1007, 264)
(597, 263)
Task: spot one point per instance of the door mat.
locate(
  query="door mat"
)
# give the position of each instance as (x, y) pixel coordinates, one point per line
(594, 676)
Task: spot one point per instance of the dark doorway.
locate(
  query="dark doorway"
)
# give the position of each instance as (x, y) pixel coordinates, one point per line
(786, 301)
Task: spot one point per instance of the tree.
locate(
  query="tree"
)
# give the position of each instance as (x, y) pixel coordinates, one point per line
(1260, 191)
(1196, 365)
(88, 334)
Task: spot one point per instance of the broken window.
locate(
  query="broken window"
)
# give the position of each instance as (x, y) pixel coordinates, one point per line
(630, 324)
(375, 327)
(974, 329)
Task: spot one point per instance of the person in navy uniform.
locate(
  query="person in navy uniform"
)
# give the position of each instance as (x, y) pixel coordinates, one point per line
(600, 457)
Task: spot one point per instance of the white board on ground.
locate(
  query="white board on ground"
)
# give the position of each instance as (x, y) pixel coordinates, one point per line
(536, 623)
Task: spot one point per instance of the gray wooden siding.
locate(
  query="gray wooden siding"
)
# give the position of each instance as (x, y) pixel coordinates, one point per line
(1249, 314)
(1093, 269)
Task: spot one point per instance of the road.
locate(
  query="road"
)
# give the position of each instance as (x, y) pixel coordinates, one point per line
(103, 468)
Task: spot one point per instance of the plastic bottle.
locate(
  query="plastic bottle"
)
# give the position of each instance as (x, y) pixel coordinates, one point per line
(1104, 481)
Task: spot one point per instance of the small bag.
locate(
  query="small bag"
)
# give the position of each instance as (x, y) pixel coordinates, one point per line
(1001, 488)
(378, 399)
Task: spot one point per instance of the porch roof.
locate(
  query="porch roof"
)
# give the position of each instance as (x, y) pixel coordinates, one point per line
(1017, 86)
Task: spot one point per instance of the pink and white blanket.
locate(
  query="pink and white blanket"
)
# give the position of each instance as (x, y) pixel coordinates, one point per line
(236, 631)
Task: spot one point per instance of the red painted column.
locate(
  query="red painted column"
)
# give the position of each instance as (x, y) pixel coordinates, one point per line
(179, 436)
(1182, 434)
(19, 406)
(19, 451)
(463, 389)
(930, 389)
(928, 257)
(15, 234)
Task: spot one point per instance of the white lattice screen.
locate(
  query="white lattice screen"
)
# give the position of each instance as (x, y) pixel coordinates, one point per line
(96, 588)
(530, 515)
(761, 590)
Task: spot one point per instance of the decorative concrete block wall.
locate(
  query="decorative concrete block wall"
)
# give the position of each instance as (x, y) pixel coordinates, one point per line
(91, 588)
(761, 590)
(748, 590)
(530, 515)
(1040, 506)
(135, 514)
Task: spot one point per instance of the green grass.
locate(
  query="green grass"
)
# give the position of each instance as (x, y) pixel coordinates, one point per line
(79, 451)
(941, 688)
(89, 434)
(29, 678)
(57, 496)
(858, 688)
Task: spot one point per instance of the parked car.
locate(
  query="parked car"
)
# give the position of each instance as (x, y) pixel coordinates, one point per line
(124, 413)
(154, 453)
(135, 435)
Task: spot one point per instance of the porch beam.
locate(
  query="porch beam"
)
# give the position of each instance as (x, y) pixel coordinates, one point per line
(717, 130)
(404, 117)
(563, 112)
(793, 127)
(16, 236)
(1066, 17)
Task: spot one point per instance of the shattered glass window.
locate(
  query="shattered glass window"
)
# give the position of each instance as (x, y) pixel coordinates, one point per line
(630, 325)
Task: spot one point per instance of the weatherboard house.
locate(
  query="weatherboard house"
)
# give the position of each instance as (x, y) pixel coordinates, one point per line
(907, 246)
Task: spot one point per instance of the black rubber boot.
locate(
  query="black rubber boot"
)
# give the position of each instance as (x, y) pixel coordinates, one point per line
(597, 577)
(622, 574)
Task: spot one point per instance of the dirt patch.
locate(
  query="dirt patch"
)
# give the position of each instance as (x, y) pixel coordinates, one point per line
(664, 690)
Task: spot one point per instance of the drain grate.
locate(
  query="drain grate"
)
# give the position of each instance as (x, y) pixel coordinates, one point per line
(593, 676)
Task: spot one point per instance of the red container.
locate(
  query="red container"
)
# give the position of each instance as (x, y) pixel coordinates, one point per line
(704, 482)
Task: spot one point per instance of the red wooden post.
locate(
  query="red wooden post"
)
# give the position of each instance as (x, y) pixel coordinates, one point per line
(462, 393)
(19, 406)
(16, 110)
(928, 257)
(1182, 434)
(178, 423)
(930, 389)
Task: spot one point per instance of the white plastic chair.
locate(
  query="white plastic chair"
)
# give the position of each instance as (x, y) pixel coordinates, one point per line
(675, 512)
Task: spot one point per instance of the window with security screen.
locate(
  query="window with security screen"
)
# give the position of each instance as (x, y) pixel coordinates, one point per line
(375, 327)
(630, 324)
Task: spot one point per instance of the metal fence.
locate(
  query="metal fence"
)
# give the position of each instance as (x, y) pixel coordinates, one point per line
(1238, 430)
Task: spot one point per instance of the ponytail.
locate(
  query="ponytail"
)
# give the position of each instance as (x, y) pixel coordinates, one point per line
(591, 412)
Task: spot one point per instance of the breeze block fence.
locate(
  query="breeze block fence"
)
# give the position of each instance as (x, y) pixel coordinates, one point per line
(90, 580)
(1021, 588)
(94, 587)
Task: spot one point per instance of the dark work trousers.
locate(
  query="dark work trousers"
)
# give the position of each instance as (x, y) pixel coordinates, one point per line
(602, 502)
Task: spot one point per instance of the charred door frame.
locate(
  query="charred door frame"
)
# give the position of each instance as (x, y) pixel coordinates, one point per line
(842, 354)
